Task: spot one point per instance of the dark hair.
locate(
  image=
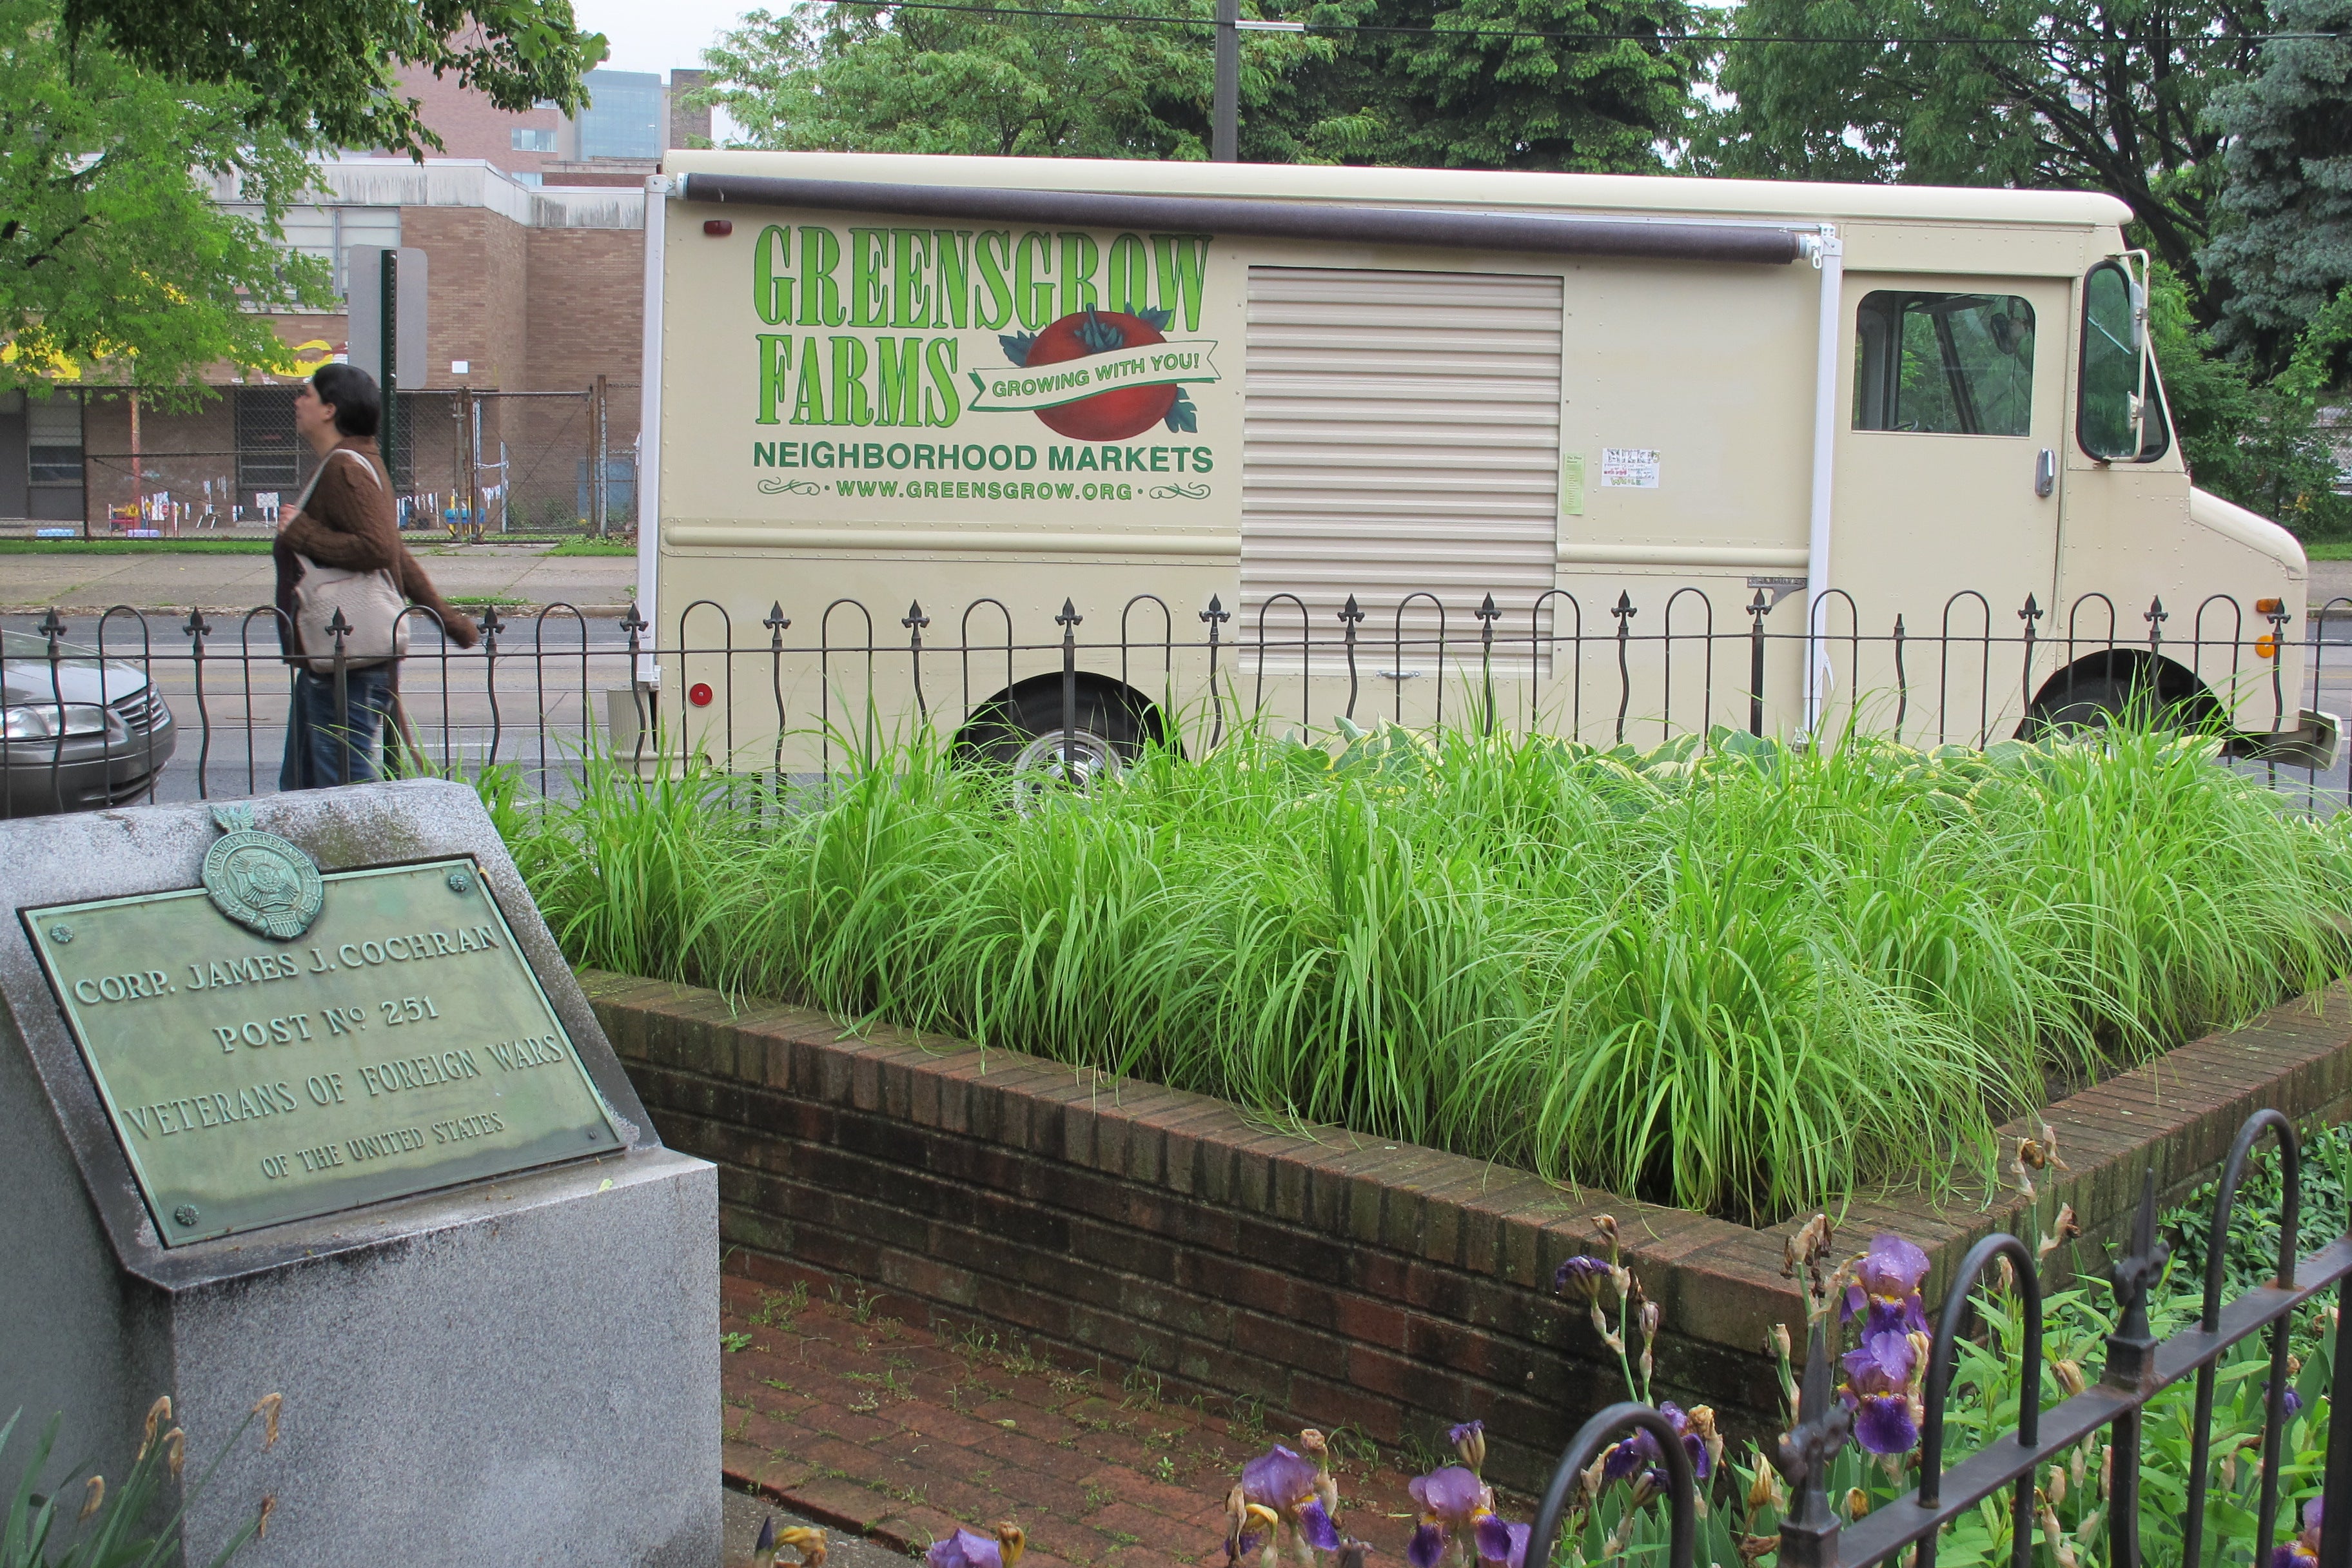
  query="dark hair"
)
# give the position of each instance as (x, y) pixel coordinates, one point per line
(359, 406)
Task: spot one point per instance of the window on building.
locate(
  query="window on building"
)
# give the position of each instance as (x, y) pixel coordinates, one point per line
(53, 438)
(623, 117)
(1950, 365)
(532, 138)
(269, 457)
(329, 231)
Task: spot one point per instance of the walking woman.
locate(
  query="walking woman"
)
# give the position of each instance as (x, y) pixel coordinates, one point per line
(339, 551)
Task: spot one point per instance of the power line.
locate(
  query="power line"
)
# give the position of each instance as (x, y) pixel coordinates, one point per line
(1312, 29)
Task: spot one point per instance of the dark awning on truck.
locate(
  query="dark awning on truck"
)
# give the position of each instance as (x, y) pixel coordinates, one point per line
(1546, 233)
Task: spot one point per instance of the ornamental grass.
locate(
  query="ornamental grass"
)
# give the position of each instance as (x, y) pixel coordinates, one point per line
(1737, 976)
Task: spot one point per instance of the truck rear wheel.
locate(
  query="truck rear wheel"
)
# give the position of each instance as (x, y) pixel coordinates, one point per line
(1021, 730)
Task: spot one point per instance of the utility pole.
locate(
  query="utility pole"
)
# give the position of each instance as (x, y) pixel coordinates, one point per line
(1225, 144)
(388, 353)
(1225, 108)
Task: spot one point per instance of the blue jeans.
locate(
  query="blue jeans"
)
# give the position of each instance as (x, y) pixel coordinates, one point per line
(319, 750)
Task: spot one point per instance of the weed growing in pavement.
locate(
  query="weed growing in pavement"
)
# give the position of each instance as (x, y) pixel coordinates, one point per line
(779, 1308)
(734, 1341)
(1739, 977)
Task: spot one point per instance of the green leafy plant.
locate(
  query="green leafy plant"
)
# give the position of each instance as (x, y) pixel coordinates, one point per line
(110, 1526)
(1740, 978)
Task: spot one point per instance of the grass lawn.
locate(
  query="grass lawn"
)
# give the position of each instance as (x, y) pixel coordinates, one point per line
(579, 546)
(1744, 980)
(2328, 549)
(134, 546)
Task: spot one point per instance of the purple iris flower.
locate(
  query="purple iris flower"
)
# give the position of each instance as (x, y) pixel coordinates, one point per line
(1890, 1276)
(1468, 1429)
(1641, 1452)
(1881, 1364)
(965, 1549)
(1502, 1543)
(1879, 1376)
(1284, 1483)
(1581, 1277)
(1452, 1502)
(2303, 1551)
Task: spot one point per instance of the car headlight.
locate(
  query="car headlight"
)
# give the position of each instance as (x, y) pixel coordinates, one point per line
(47, 721)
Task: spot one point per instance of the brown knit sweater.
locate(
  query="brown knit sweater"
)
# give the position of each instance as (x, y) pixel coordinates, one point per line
(348, 524)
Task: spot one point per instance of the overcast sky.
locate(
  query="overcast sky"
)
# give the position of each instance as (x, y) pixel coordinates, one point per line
(661, 34)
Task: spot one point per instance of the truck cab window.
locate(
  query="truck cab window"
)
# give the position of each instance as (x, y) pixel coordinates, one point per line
(2113, 349)
(1944, 364)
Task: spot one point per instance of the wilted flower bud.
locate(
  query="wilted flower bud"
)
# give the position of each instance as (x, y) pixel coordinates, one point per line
(97, 1490)
(2055, 1489)
(1764, 1491)
(1781, 1341)
(1580, 1278)
(1857, 1503)
(175, 1450)
(268, 1506)
(2065, 1230)
(2070, 1376)
(1649, 1315)
(1607, 1225)
(267, 1408)
(157, 1413)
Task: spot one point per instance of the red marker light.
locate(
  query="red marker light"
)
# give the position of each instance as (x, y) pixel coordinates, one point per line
(717, 228)
(698, 694)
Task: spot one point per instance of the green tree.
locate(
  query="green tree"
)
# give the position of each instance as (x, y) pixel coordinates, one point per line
(2246, 439)
(2110, 95)
(327, 67)
(114, 256)
(1591, 86)
(1372, 84)
(2285, 245)
(1079, 84)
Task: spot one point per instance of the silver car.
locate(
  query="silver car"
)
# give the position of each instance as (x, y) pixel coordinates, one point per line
(78, 733)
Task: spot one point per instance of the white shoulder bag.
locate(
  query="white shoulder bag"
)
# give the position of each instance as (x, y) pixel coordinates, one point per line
(371, 602)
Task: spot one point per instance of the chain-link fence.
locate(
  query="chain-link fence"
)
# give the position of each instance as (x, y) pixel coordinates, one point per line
(477, 464)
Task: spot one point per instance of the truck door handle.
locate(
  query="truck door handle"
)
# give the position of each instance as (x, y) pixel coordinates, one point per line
(2045, 473)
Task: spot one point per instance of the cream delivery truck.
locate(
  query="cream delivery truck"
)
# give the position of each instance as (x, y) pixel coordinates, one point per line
(1053, 455)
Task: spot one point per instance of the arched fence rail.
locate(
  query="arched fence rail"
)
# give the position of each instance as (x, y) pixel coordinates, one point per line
(804, 689)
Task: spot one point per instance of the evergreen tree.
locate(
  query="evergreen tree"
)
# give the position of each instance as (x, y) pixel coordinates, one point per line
(2284, 248)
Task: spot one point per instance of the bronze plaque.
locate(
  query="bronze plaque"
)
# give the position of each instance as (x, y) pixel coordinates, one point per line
(396, 1043)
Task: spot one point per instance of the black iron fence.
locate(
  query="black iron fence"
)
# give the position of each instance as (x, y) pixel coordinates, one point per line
(197, 709)
(2137, 1368)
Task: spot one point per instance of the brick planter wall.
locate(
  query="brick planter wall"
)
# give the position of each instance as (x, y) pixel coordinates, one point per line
(1340, 1279)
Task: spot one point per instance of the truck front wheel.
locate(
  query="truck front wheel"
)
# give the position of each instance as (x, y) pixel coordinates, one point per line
(2088, 703)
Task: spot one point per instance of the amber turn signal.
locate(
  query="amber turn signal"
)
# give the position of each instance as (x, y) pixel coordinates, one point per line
(2266, 646)
(2269, 606)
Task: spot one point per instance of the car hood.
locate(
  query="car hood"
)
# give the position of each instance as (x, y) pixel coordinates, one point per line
(76, 680)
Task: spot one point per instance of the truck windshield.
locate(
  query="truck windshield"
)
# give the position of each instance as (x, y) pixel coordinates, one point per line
(1947, 365)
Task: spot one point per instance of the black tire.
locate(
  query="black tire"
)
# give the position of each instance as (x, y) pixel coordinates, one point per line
(1022, 732)
(2090, 704)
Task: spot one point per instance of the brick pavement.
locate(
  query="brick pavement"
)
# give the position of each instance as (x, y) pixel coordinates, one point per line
(873, 1424)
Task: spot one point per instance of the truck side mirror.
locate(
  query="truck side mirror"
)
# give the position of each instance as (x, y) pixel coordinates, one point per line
(2113, 394)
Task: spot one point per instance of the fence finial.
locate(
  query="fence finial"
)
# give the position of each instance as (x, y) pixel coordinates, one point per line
(1809, 1531)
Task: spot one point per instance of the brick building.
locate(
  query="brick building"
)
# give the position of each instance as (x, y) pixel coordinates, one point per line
(532, 227)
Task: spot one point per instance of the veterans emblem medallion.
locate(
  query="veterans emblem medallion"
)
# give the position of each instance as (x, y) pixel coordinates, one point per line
(262, 882)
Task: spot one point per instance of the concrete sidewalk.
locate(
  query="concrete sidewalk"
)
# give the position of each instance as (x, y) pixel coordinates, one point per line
(88, 585)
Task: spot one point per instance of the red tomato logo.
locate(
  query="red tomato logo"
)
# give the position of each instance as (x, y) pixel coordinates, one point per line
(1113, 416)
